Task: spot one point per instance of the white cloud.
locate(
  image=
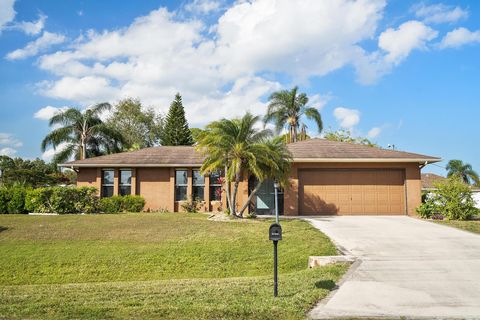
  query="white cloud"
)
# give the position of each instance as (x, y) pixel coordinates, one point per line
(374, 132)
(34, 47)
(347, 118)
(459, 37)
(46, 113)
(439, 13)
(203, 6)
(8, 139)
(398, 43)
(7, 12)
(9, 152)
(317, 38)
(31, 27)
(48, 155)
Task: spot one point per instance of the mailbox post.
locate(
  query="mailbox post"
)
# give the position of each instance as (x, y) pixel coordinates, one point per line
(275, 234)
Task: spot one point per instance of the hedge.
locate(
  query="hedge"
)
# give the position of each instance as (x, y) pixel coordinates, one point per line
(65, 200)
(62, 200)
(122, 204)
(12, 200)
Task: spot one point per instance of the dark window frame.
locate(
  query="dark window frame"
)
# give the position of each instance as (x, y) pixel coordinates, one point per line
(215, 186)
(121, 185)
(196, 195)
(110, 186)
(183, 186)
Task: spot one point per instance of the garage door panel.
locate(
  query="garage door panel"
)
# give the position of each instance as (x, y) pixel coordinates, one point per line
(346, 192)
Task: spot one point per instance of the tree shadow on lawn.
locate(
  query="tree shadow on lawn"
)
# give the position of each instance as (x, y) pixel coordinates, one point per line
(326, 284)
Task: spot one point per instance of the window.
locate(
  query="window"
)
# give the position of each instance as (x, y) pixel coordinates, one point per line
(107, 183)
(181, 182)
(125, 185)
(216, 186)
(198, 186)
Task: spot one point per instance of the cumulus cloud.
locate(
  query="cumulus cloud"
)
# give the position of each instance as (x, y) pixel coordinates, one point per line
(31, 27)
(439, 13)
(398, 43)
(7, 12)
(203, 6)
(346, 118)
(8, 144)
(216, 66)
(459, 37)
(34, 47)
(48, 155)
(9, 152)
(46, 113)
(9, 140)
(160, 54)
(374, 132)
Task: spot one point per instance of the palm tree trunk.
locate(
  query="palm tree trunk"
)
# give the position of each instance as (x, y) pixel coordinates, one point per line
(83, 155)
(227, 191)
(250, 197)
(235, 190)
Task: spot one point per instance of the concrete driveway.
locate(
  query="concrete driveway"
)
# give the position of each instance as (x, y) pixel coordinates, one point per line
(405, 268)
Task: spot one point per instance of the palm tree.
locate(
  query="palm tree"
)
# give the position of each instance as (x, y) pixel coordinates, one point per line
(83, 133)
(286, 108)
(239, 149)
(462, 170)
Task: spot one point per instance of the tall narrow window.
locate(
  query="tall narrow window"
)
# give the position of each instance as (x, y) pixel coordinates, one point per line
(181, 183)
(198, 186)
(107, 183)
(216, 186)
(125, 185)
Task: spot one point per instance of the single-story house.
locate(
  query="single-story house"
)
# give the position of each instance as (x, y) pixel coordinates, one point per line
(327, 178)
(429, 180)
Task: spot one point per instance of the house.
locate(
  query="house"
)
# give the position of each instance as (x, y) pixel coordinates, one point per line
(429, 180)
(327, 178)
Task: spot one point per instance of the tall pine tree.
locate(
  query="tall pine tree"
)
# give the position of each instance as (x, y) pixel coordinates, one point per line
(176, 131)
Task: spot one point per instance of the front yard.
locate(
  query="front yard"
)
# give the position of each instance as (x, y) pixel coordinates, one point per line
(156, 266)
(469, 225)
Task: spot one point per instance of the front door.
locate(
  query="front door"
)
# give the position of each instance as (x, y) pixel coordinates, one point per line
(264, 200)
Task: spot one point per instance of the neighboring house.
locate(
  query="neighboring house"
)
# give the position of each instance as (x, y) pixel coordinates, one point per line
(429, 180)
(327, 178)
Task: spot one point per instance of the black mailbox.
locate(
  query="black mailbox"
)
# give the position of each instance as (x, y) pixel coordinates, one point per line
(275, 232)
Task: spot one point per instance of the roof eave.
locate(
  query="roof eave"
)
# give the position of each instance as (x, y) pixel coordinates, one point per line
(129, 165)
(363, 160)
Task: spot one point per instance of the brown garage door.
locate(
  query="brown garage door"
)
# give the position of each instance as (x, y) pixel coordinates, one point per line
(351, 192)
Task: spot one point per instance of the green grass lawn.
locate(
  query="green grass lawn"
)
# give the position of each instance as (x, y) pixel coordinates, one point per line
(472, 226)
(157, 266)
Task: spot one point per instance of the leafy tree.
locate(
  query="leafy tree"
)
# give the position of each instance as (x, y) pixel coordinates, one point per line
(83, 133)
(176, 131)
(240, 150)
(33, 173)
(463, 170)
(286, 109)
(139, 128)
(346, 136)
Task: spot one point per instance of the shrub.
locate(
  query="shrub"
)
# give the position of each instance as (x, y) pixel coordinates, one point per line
(111, 204)
(191, 205)
(452, 199)
(38, 200)
(4, 199)
(427, 209)
(133, 203)
(62, 200)
(16, 204)
(118, 204)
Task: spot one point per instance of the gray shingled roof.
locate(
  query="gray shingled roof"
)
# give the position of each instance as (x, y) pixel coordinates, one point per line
(309, 150)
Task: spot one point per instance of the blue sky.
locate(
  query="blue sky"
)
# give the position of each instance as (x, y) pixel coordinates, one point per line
(401, 72)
